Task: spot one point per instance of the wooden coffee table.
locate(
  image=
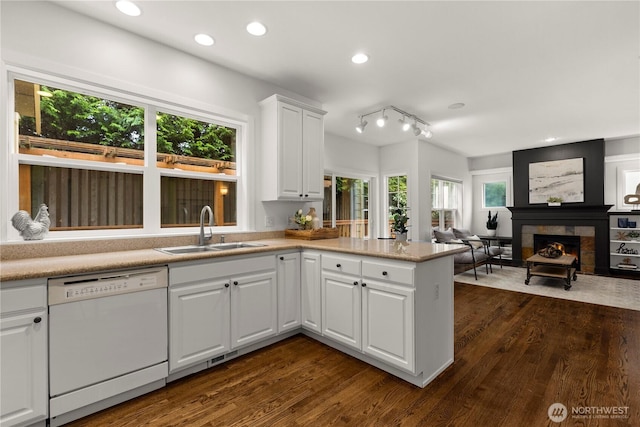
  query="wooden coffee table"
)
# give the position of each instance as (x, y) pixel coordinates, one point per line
(563, 267)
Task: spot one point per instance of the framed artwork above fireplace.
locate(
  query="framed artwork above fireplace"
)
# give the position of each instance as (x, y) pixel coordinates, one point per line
(562, 179)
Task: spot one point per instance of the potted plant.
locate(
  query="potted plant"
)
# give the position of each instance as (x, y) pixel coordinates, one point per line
(492, 224)
(554, 201)
(399, 225)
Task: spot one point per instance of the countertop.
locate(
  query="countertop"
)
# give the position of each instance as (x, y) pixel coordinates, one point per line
(53, 266)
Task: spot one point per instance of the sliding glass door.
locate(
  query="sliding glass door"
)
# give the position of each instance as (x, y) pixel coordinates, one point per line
(346, 205)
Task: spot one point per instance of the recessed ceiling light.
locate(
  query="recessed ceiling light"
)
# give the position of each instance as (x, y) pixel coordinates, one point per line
(204, 39)
(256, 29)
(359, 58)
(128, 8)
(456, 106)
(550, 139)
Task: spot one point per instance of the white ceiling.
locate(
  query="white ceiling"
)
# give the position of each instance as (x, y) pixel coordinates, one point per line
(525, 70)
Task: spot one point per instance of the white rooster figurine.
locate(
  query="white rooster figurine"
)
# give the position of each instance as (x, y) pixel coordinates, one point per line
(32, 229)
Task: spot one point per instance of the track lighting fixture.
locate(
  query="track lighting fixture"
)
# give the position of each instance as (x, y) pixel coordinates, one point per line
(381, 120)
(419, 126)
(360, 127)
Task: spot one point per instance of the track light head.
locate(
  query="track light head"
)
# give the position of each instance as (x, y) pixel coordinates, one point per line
(416, 130)
(361, 126)
(405, 125)
(427, 133)
(382, 120)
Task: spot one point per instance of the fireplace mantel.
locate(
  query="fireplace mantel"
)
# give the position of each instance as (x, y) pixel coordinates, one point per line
(565, 215)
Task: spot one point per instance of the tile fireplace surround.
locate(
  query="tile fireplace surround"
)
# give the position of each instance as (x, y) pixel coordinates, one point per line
(587, 236)
(590, 223)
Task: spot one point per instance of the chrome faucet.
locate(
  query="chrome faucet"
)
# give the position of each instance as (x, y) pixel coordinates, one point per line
(202, 237)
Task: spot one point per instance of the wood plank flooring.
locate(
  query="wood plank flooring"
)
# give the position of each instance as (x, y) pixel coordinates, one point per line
(515, 355)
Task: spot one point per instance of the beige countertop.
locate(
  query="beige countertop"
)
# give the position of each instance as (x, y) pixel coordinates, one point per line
(52, 266)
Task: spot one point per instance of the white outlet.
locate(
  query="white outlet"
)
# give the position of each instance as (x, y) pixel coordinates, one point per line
(437, 290)
(268, 221)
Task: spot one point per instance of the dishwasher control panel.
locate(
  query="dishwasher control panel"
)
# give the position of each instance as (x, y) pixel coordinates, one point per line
(76, 288)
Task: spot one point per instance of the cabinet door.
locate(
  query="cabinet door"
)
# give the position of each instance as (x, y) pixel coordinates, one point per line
(198, 322)
(311, 301)
(253, 308)
(288, 291)
(313, 156)
(290, 151)
(388, 323)
(341, 311)
(23, 351)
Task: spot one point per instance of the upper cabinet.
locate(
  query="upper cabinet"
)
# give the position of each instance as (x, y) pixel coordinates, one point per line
(292, 150)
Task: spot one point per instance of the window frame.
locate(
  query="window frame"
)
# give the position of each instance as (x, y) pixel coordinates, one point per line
(506, 194)
(151, 224)
(386, 230)
(457, 212)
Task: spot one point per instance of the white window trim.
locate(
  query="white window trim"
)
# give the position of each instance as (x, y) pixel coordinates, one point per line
(383, 229)
(457, 217)
(151, 217)
(506, 189)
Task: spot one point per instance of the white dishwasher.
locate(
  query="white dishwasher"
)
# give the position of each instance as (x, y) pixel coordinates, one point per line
(107, 340)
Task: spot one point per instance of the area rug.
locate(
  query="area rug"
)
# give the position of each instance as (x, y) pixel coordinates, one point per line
(611, 291)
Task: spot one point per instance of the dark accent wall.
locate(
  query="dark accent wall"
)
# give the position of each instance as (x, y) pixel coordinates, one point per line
(593, 153)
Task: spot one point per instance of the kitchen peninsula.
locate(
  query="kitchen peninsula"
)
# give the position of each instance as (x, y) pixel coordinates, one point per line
(387, 303)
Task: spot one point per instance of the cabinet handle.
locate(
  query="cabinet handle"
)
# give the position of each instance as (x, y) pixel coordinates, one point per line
(364, 284)
(226, 285)
(306, 195)
(281, 258)
(235, 283)
(338, 265)
(37, 319)
(355, 283)
(300, 195)
(384, 273)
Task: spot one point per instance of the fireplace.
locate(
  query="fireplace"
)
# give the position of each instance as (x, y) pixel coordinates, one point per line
(590, 224)
(571, 244)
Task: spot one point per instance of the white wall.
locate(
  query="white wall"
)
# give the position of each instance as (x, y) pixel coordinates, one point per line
(45, 37)
(479, 219)
(621, 155)
(420, 160)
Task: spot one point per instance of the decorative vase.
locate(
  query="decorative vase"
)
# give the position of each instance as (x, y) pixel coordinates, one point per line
(401, 237)
(491, 233)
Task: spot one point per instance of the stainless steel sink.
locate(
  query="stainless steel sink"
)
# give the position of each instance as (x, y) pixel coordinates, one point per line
(234, 245)
(194, 249)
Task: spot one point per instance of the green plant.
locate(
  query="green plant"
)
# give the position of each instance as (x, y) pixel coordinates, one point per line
(399, 221)
(554, 199)
(492, 221)
(633, 234)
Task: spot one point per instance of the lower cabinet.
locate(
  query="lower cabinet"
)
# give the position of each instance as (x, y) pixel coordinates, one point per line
(199, 322)
(311, 291)
(371, 314)
(288, 291)
(23, 351)
(215, 307)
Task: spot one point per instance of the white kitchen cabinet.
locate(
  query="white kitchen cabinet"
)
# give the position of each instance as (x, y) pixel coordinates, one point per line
(199, 324)
(369, 305)
(311, 291)
(23, 348)
(387, 323)
(254, 313)
(217, 306)
(288, 291)
(292, 150)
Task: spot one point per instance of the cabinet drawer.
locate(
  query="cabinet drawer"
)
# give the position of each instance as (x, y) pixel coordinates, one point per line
(23, 298)
(388, 272)
(341, 264)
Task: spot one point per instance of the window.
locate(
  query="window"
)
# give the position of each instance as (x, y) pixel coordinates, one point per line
(446, 199)
(350, 196)
(82, 152)
(494, 194)
(396, 196)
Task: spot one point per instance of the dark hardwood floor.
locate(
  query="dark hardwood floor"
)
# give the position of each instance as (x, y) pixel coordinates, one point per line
(515, 355)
